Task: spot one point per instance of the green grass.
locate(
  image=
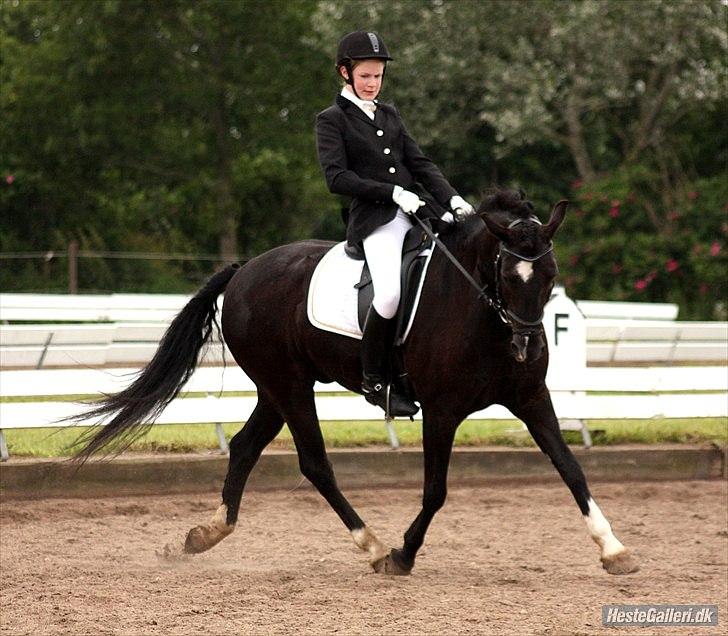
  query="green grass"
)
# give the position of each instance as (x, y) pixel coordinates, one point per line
(186, 438)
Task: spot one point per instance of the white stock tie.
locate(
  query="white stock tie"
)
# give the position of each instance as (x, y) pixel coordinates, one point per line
(369, 108)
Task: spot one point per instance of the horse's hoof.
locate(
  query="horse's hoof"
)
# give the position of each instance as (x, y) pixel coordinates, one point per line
(620, 563)
(198, 540)
(390, 564)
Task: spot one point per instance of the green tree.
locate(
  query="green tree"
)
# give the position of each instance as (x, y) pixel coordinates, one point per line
(159, 126)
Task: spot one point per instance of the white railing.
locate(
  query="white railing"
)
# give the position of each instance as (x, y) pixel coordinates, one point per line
(163, 307)
(91, 308)
(600, 393)
(132, 324)
(115, 344)
(625, 341)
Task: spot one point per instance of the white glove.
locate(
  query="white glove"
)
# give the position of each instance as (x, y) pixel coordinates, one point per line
(448, 218)
(461, 207)
(408, 201)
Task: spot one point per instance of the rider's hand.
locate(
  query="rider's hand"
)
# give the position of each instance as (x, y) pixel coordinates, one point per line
(461, 207)
(408, 201)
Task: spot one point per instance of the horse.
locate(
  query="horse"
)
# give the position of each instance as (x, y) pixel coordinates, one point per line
(468, 348)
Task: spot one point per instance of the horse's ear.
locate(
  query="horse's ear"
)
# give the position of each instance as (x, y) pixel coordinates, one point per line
(557, 217)
(496, 229)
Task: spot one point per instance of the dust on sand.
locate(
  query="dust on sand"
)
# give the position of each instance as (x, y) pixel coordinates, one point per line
(497, 560)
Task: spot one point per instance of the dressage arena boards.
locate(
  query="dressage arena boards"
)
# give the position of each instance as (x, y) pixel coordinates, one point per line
(497, 560)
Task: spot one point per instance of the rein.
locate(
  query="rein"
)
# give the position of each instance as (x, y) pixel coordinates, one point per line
(507, 317)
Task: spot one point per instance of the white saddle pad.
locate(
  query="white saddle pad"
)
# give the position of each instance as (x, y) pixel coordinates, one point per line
(332, 298)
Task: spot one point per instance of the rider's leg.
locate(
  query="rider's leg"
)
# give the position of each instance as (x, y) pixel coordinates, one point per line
(383, 249)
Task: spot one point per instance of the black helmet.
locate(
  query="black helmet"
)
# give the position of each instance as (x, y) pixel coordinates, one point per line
(361, 45)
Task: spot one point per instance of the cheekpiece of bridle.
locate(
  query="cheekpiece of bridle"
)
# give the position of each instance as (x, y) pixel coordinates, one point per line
(516, 323)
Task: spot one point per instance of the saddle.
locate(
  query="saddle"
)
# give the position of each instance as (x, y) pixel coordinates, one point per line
(413, 266)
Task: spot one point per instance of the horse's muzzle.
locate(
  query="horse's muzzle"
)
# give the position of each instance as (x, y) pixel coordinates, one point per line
(527, 347)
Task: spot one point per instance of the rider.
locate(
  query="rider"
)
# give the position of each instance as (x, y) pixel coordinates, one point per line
(366, 153)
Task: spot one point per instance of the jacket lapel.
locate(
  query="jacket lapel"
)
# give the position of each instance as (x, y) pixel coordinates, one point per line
(352, 110)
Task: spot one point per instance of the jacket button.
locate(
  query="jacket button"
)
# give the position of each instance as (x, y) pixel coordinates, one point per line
(387, 151)
(380, 133)
(392, 170)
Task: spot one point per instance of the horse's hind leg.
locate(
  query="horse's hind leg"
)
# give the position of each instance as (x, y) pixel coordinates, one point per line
(299, 410)
(543, 425)
(246, 446)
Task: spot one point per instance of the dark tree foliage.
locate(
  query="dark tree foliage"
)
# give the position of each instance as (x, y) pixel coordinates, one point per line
(180, 126)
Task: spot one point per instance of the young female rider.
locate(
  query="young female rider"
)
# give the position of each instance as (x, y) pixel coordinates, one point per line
(367, 154)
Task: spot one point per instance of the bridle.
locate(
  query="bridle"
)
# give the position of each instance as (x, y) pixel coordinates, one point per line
(514, 321)
(517, 324)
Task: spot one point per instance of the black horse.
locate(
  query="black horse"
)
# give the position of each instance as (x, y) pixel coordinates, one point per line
(466, 350)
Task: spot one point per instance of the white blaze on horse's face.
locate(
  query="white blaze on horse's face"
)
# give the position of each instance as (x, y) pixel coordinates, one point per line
(525, 270)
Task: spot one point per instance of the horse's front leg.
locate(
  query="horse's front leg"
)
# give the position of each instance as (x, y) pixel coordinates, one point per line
(438, 433)
(538, 415)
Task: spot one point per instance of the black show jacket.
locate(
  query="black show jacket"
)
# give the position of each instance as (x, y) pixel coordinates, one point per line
(364, 159)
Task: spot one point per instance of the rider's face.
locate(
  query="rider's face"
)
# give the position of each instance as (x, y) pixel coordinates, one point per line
(367, 78)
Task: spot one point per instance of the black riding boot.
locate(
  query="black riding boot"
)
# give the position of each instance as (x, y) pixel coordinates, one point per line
(375, 346)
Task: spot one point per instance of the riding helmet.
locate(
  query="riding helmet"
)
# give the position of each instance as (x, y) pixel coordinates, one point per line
(361, 45)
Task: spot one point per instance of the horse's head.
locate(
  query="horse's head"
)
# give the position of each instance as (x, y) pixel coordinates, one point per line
(525, 270)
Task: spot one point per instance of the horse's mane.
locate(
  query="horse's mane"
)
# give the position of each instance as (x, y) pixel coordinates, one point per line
(503, 200)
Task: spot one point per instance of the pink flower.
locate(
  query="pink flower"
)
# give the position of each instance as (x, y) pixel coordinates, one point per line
(714, 248)
(673, 216)
(672, 265)
(692, 195)
(576, 184)
(616, 203)
(651, 276)
(616, 268)
(641, 284)
(704, 288)
(614, 212)
(9, 179)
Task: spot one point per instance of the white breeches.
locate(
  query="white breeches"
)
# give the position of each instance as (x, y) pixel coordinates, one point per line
(383, 249)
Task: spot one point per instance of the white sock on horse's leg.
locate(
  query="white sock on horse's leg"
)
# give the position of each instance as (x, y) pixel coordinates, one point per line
(601, 532)
(366, 540)
(616, 559)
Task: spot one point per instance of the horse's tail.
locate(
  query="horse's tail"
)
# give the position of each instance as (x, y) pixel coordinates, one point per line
(135, 408)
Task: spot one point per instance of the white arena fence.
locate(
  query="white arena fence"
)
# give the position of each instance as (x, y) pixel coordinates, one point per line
(122, 331)
(125, 329)
(600, 393)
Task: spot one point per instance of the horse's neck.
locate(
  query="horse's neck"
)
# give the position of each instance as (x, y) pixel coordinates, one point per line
(476, 251)
(487, 254)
